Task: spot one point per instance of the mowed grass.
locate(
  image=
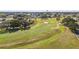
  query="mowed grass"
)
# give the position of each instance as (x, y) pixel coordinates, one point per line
(41, 35)
(64, 39)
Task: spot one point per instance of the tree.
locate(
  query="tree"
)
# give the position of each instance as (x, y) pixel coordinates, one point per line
(70, 22)
(58, 18)
(14, 25)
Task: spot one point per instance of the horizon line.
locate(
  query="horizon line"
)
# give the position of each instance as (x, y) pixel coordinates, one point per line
(39, 10)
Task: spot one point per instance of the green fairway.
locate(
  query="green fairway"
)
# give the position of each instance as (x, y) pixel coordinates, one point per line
(41, 35)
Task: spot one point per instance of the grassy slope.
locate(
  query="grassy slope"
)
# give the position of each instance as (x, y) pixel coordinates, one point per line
(40, 36)
(60, 40)
(65, 39)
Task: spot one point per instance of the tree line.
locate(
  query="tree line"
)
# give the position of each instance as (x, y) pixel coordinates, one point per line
(71, 23)
(20, 22)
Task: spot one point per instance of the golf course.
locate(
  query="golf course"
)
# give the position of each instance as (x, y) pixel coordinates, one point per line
(45, 33)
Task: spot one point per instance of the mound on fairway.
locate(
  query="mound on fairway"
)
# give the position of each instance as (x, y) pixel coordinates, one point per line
(58, 40)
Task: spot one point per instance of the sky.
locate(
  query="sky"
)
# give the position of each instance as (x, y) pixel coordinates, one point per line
(35, 5)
